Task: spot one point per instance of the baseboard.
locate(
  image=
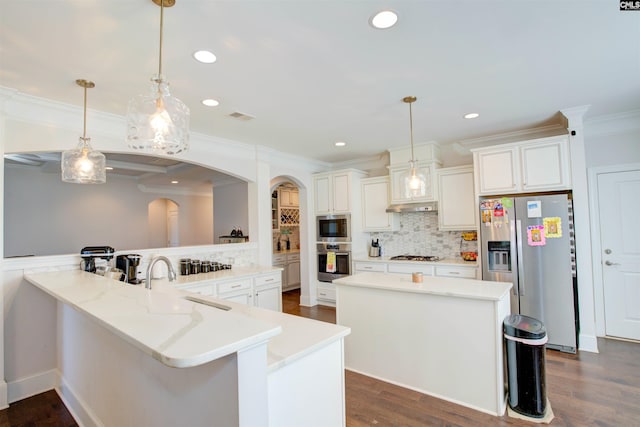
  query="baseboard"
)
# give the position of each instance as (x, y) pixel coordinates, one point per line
(4, 399)
(76, 406)
(588, 343)
(30, 386)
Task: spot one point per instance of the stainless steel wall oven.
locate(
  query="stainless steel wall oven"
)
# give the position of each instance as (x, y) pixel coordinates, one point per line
(334, 261)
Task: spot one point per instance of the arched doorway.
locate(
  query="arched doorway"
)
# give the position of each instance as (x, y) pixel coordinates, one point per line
(164, 222)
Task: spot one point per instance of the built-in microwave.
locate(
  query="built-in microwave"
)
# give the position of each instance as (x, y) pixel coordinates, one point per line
(333, 228)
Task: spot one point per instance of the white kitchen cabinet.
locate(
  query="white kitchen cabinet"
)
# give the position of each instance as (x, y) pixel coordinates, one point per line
(333, 191)
(289, 197)
(290, 264)
(399, 192)
(457, 209)
(268, 291)
(375, 200)
(364, 267)
(411, 267)
(463, 272)
(326, 293)
(536, 165)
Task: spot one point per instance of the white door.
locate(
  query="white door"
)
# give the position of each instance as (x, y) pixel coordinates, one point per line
(173, 230)
(619, 212)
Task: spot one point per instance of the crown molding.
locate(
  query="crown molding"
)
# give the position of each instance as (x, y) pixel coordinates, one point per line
(508, 137)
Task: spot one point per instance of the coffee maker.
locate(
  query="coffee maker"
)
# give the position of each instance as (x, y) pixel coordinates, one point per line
(129, 264)
(90, 253)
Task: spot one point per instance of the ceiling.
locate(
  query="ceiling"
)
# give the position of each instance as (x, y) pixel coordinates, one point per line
(313, 72)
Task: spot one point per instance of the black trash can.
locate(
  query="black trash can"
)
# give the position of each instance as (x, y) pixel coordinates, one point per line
(524, 341)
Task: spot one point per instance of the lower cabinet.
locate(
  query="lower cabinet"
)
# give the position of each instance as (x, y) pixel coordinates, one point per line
(427, 269)
(326, 293)
(261, 290)
(290, 264)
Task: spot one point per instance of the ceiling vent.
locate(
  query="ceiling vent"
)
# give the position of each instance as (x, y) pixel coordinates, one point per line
(241, 116)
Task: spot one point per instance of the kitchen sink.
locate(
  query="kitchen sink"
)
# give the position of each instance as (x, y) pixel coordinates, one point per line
(207, 302)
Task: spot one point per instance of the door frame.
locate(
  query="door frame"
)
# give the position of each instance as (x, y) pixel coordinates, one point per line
(596, 247)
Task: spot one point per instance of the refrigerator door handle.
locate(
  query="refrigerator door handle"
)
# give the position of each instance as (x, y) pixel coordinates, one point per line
(512, 249)
(519, 255)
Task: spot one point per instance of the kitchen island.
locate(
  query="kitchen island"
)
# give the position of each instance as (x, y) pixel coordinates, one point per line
(442, 337)
(133, 356)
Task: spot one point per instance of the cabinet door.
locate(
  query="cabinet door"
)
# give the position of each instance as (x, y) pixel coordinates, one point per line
(242, 298)
(545, 166)
(293, 275)
(497, 171)
(323, 194)
(457, 204)
(341, 193)
(399, 192)
(269, 298)
(375, 200)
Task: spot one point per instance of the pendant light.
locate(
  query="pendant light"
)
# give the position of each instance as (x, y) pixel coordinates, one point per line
(415, 181)
(83, 165)
(158, 122)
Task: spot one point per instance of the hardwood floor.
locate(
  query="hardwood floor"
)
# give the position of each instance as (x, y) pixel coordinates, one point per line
(584, 390)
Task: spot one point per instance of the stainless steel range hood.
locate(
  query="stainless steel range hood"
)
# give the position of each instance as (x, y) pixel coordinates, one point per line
(414, 207)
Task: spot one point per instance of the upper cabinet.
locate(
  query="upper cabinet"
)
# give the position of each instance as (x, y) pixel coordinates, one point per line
(457, 203)
(375, 200)
(289, 197)
(334, 191)
(536, 165)
(427, 156)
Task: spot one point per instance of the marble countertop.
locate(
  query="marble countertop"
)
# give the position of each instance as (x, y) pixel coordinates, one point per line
(181, 333)
(445, 286)
(234, 273)
(444, 261)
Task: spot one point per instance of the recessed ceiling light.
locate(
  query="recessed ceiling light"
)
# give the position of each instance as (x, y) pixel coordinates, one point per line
(210, 102)
(204, 56)
(175, 182)
(471, 115)
(341, 144)
(384, 19)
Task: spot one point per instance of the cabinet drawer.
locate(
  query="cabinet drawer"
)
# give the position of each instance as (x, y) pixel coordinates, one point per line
(202, 290)
(427, 270)
(371, 266)
(326, 293)
(449, 271)
(293, 257)
(279, 259)
(269, 279)
(234, 286)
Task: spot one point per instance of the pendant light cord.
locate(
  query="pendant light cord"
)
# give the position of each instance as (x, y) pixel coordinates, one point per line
(84, 129)
(411, 133)
(161, 28)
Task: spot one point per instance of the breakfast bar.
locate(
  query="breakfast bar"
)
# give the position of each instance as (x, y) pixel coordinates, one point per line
(442, 336)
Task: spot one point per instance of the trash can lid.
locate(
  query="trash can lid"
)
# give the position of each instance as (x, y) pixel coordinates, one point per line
(521, 326)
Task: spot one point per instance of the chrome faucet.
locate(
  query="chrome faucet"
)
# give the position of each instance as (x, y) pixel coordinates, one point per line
(172, 272)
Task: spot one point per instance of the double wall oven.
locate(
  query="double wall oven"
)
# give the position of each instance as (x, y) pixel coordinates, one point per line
(334, 246)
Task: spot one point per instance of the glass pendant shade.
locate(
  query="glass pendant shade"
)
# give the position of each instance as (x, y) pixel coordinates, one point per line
(158, 122)
(83, 165)
(415, 182)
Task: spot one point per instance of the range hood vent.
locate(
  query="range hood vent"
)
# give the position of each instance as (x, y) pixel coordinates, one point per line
(415, 207)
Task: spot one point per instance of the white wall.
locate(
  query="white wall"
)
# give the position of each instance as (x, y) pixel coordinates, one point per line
(613, 140)
(230, 210)
(45, 216)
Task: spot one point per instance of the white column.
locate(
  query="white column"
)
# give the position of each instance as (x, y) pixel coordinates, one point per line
(575, 125)
(3, 384)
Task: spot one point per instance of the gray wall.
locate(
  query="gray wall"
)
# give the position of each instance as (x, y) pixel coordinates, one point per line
(230, 209)
(44, 216)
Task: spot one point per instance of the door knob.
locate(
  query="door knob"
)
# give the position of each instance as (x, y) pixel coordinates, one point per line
(607, 251)
(607, 262)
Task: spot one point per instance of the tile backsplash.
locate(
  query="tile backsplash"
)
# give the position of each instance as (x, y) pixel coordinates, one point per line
(419, 235)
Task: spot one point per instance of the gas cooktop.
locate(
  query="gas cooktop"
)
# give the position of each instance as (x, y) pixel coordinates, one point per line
(414, 258)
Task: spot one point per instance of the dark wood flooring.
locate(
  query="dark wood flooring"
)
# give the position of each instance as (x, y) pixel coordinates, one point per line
(584, 390)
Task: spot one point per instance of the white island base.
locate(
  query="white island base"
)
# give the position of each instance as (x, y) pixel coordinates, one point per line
(442, 337)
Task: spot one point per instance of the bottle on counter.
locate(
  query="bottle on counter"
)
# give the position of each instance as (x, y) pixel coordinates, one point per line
(279, 246)
(288, 244)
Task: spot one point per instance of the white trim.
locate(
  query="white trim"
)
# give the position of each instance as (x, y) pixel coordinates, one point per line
(588, 343)
(32, 385)
(596, 247)
(79, 410)
(4, 393)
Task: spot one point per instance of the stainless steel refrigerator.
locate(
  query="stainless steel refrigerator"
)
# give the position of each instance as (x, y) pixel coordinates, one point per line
(529, 241)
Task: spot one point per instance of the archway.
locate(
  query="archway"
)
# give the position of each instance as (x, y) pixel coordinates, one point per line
(164, 230)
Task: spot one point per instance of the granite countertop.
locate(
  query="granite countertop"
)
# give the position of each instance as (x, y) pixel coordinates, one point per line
(181, 333)
(445, 286)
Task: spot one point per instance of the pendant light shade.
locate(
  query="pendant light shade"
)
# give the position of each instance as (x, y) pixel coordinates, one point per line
(415, 182)
(157, 122)
(83, 165)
